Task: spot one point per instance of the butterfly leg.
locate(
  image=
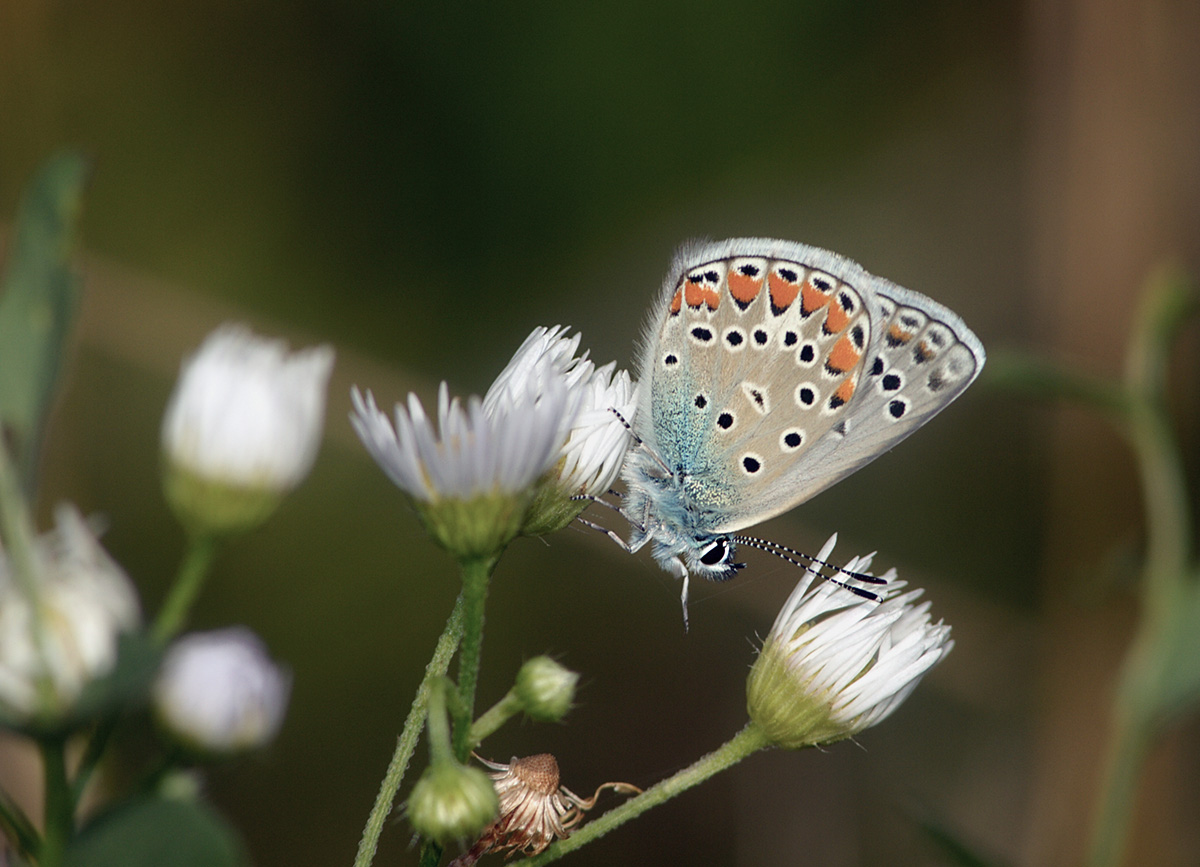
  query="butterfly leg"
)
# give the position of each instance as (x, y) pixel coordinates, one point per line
(607, 532)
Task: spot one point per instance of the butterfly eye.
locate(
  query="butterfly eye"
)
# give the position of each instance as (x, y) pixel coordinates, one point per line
(715, 553)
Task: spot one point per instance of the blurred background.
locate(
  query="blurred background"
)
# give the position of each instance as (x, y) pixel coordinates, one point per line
(420, 184)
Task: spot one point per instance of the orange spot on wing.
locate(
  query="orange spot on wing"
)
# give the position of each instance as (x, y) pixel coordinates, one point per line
(898, 335)
(742, 288)
(836, 319)
(693, 294)
(812, 298)
(783, 293)
(845, 391)
(677, 301)
(711, 298)
(843, 357)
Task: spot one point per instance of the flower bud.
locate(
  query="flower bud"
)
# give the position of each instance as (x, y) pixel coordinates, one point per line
(242, 428)
(452, 802)
(545, 689)
(219, 692)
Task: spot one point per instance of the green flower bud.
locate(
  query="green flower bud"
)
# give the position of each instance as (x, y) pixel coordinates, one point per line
(452, 802)
(545, 689)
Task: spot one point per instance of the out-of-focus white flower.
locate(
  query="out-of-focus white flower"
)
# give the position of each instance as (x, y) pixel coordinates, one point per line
(593, 448)
(219, 692)
(835, 664)
(242, 427)
(53, 645)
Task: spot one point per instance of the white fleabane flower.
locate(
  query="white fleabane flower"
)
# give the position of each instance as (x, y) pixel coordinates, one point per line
(52, 646)
(471, 477)
(593, 447)
(242, 427)
(219, 692)
(835, 664)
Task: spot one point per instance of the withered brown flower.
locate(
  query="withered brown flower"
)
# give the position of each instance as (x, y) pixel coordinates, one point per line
(535, 810)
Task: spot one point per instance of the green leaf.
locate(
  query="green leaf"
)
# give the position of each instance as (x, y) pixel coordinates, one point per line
(154, 831)
(39, 295)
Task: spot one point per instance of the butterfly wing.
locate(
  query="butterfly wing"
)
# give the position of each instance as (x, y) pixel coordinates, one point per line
(777, 369)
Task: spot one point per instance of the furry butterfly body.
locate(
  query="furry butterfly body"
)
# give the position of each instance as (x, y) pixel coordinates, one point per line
(770, 370)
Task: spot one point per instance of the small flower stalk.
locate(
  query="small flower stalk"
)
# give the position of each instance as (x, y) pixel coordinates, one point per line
(534, 809)
(242, 428)
(219, 693)
(593, 448)
(835, 664)
(64, 635)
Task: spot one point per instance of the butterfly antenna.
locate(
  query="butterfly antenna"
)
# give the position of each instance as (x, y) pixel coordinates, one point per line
(640, 443)
(799, 558)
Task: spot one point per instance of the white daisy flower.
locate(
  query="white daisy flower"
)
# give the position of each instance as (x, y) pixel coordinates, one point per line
(219, 692)
(593, 447)
(835, 664)
(242, 427)
(53, 645)
(472, 475)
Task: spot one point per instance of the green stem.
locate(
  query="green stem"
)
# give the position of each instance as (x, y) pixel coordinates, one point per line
(1164, 584)
(494, 717)
(192, 572)
(745, 743)
(59, 816)
(407, 742)
(1047, 380)
(92, 755)
(476, 575)
(431, 854)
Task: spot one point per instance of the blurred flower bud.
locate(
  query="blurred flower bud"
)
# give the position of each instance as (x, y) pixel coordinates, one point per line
(242, 428)
(545, 689)
(219, 692)
(54, 644)
(452, 802)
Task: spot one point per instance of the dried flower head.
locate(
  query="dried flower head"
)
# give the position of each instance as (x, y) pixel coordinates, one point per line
(535, 810)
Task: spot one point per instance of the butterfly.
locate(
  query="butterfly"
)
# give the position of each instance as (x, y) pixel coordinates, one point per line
(769, 370)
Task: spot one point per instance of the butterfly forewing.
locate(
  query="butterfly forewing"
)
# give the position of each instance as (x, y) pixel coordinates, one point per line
(757, 359)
